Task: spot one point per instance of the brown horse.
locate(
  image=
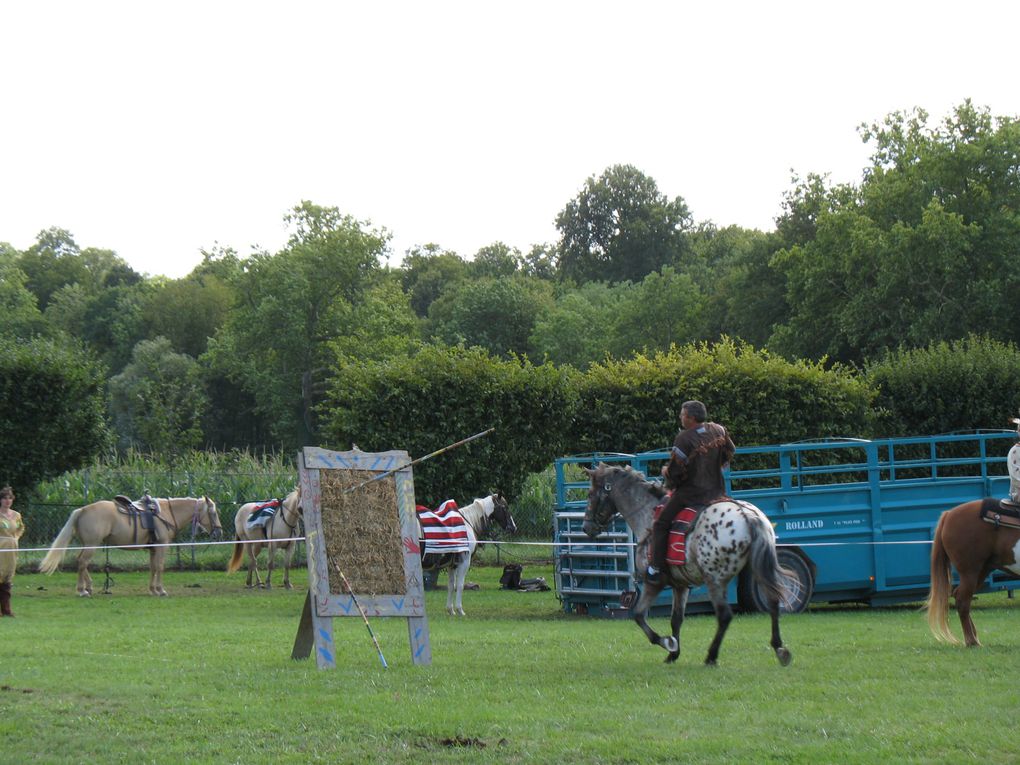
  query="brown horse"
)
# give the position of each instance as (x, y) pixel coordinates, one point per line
(102, 523)
(282, 525)
(975, 548)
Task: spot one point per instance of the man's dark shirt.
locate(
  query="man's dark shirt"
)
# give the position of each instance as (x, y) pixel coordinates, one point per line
(695, 470)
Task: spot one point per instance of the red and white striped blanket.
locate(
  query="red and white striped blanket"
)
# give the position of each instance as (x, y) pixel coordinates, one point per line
(444, 529)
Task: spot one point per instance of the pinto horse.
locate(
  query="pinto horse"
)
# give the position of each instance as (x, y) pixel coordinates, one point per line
(282, 525)
(477, 516)
(727, 535)
(102, 523)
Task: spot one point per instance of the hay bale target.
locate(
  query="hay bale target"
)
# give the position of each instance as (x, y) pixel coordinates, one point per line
(359, 519)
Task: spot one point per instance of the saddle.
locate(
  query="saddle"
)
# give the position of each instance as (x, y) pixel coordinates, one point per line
(143, 513)
(1003, 512)
(676, 546)
(262, 514)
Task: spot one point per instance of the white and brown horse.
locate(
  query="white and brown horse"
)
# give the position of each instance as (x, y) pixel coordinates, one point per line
(279, 532)
(477, 517)
(726, 536)
(103, 523)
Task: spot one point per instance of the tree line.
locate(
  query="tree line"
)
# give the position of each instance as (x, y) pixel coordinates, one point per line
(269, 350)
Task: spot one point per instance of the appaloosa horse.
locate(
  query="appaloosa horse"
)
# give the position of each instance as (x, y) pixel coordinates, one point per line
(726, 536)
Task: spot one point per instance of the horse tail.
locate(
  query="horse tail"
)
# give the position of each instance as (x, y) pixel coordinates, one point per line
(941, 583)
(771, 576)
(235, 559)
(52, 560)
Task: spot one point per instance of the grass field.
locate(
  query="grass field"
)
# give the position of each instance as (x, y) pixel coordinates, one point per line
(206, 676)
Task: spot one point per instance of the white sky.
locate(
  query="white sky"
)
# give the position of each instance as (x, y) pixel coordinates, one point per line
(159, 129)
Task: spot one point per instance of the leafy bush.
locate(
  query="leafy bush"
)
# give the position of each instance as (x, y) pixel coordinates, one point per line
(441, 395)
(52, 410)
(960, 385)
(634, 405)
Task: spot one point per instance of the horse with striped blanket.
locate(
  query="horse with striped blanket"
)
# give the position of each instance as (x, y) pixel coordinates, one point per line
(449, 535)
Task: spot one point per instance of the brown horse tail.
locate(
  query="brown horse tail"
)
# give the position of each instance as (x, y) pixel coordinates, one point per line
(52, 560)
(941, 583)
(235, 559)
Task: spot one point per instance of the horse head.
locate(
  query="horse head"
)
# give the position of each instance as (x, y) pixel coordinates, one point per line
(209, 519)
(601, 509)
(501, 513)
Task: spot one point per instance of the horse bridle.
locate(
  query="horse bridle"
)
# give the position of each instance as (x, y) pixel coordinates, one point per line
(215, 529)
(602, 494)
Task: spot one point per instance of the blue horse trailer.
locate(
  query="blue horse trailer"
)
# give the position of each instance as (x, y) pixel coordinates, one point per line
(854, 518)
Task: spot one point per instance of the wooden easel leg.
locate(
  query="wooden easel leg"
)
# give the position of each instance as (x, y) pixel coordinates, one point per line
(418, 634)
(316, 632)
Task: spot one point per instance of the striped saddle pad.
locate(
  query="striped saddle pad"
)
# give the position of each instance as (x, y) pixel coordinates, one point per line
(444, 530)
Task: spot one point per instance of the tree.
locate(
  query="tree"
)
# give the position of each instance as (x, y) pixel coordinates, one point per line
(577, 330)
(427, 271)
(495, 314)
(52, 409)
(663, 310)
(926, 249)
(187, 311)
(18, 306)
(620, 227)
(288, 309)
(497, 261)
(158, 402)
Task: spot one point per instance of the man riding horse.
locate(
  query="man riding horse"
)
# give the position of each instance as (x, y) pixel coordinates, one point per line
(694, 473)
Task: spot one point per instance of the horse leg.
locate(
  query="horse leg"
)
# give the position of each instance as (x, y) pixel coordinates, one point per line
(964, 594)
(288, 556)
(157, 557)
(460, 573)
(253, 565)
(269, 566)
(84, 586)
(451, 587)
(723, 616)
(648, 594)
(676, 620)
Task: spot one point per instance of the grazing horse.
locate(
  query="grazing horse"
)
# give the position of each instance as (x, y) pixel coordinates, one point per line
(975, 548)
(103, 523)
(726, 536)
(281, 525)
(477, 516)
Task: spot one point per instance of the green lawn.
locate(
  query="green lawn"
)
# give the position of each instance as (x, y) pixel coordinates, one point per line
(206, 676)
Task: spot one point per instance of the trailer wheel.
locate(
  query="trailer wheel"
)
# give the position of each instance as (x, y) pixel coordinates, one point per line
(802, 586)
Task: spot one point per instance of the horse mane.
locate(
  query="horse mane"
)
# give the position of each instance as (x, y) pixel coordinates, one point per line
(476, 514)
(629, 473)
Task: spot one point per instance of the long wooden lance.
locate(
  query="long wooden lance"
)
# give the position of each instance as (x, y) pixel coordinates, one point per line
(436, 453)
(364, 616)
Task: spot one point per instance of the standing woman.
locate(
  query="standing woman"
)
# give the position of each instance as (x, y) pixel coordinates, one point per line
(11, 529)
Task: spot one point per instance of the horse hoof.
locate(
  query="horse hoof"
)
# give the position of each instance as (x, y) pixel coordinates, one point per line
(670, 644)
(672, 657)
(784, 656)
(288, 586)
(84, 594)
(710, 663)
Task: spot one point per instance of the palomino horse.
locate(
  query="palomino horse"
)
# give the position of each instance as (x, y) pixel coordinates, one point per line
(975, 548)
(727, 535)
(102, 523)
(282, 525)
(477, 516)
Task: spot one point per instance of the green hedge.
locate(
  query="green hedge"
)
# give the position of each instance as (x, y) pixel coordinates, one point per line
(634, 405)
(441, 395)
(52, 410)
(963, 385)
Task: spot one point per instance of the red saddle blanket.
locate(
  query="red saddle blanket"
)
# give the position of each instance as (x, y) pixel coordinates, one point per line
(444, 530)
(676, 548)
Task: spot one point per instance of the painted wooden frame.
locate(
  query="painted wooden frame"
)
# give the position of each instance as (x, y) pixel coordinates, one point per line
(315, 630)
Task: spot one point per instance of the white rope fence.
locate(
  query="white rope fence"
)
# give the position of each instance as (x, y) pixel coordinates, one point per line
(567, 544)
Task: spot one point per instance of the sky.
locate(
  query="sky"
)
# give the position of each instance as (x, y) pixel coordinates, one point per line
(159, 130)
